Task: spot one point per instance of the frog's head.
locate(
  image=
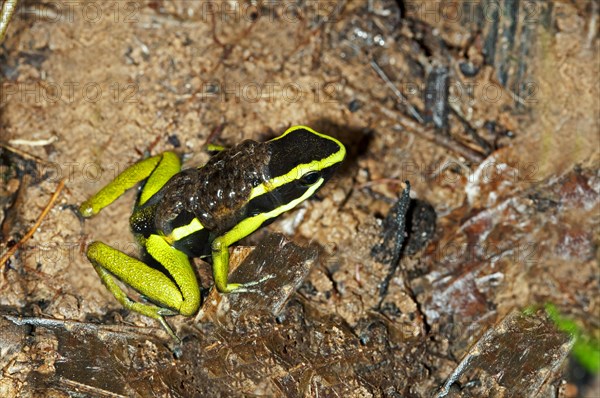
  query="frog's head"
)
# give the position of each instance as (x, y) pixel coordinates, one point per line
(305, 156)
(301, 161)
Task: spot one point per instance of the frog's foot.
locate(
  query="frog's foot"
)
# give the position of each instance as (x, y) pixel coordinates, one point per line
(159, 314)
(167, 328)
(166, 312)
(248, 286)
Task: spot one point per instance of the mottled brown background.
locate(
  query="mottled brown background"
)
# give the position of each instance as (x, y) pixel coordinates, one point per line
(511, 171)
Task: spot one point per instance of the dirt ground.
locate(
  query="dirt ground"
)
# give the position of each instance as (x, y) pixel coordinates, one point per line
(490, 109)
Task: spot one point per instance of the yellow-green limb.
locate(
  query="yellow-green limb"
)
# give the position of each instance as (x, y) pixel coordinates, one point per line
(179, 267)
(220, 246)
(586, 348)
(159, 168)
(183, 296)
(220, 266)
(169, 165)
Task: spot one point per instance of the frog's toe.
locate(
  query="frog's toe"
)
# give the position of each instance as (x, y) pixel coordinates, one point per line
(166, 312)
(261, 280)
(253, 285)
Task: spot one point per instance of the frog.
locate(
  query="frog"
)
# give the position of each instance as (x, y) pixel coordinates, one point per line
(199, 212)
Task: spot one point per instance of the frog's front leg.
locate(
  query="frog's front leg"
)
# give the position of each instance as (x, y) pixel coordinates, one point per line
(220, 257)
(220, 266)
(220, 246)
(179, 297)
(156, 169)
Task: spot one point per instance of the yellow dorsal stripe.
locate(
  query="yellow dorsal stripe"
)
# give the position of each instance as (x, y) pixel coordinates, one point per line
(250, 224)
(291, 129)
(301, 169)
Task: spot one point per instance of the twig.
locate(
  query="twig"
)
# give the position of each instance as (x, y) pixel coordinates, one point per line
(94, 391)
(8, 9)
(411, 109)
(444, 141)
(77, 326)
(23, 154)
(30, 233)
(214, 134)
(42, 142)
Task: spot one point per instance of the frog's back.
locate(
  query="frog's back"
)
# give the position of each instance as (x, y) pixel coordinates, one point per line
(214, 194)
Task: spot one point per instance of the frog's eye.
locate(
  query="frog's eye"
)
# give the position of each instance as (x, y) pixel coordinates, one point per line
(310, 178)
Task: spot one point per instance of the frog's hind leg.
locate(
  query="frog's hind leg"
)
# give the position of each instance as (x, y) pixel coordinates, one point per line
(111, 263)
(177, 264)
(157, 169)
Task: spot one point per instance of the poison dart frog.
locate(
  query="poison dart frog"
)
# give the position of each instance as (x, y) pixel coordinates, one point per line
(199, 212)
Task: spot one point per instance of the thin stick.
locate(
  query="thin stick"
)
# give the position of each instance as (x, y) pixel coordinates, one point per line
(23, 154)
(76, 326)
(47, 141)
(214, 134)
(30, 233)
(411, 109)
(8, 8)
